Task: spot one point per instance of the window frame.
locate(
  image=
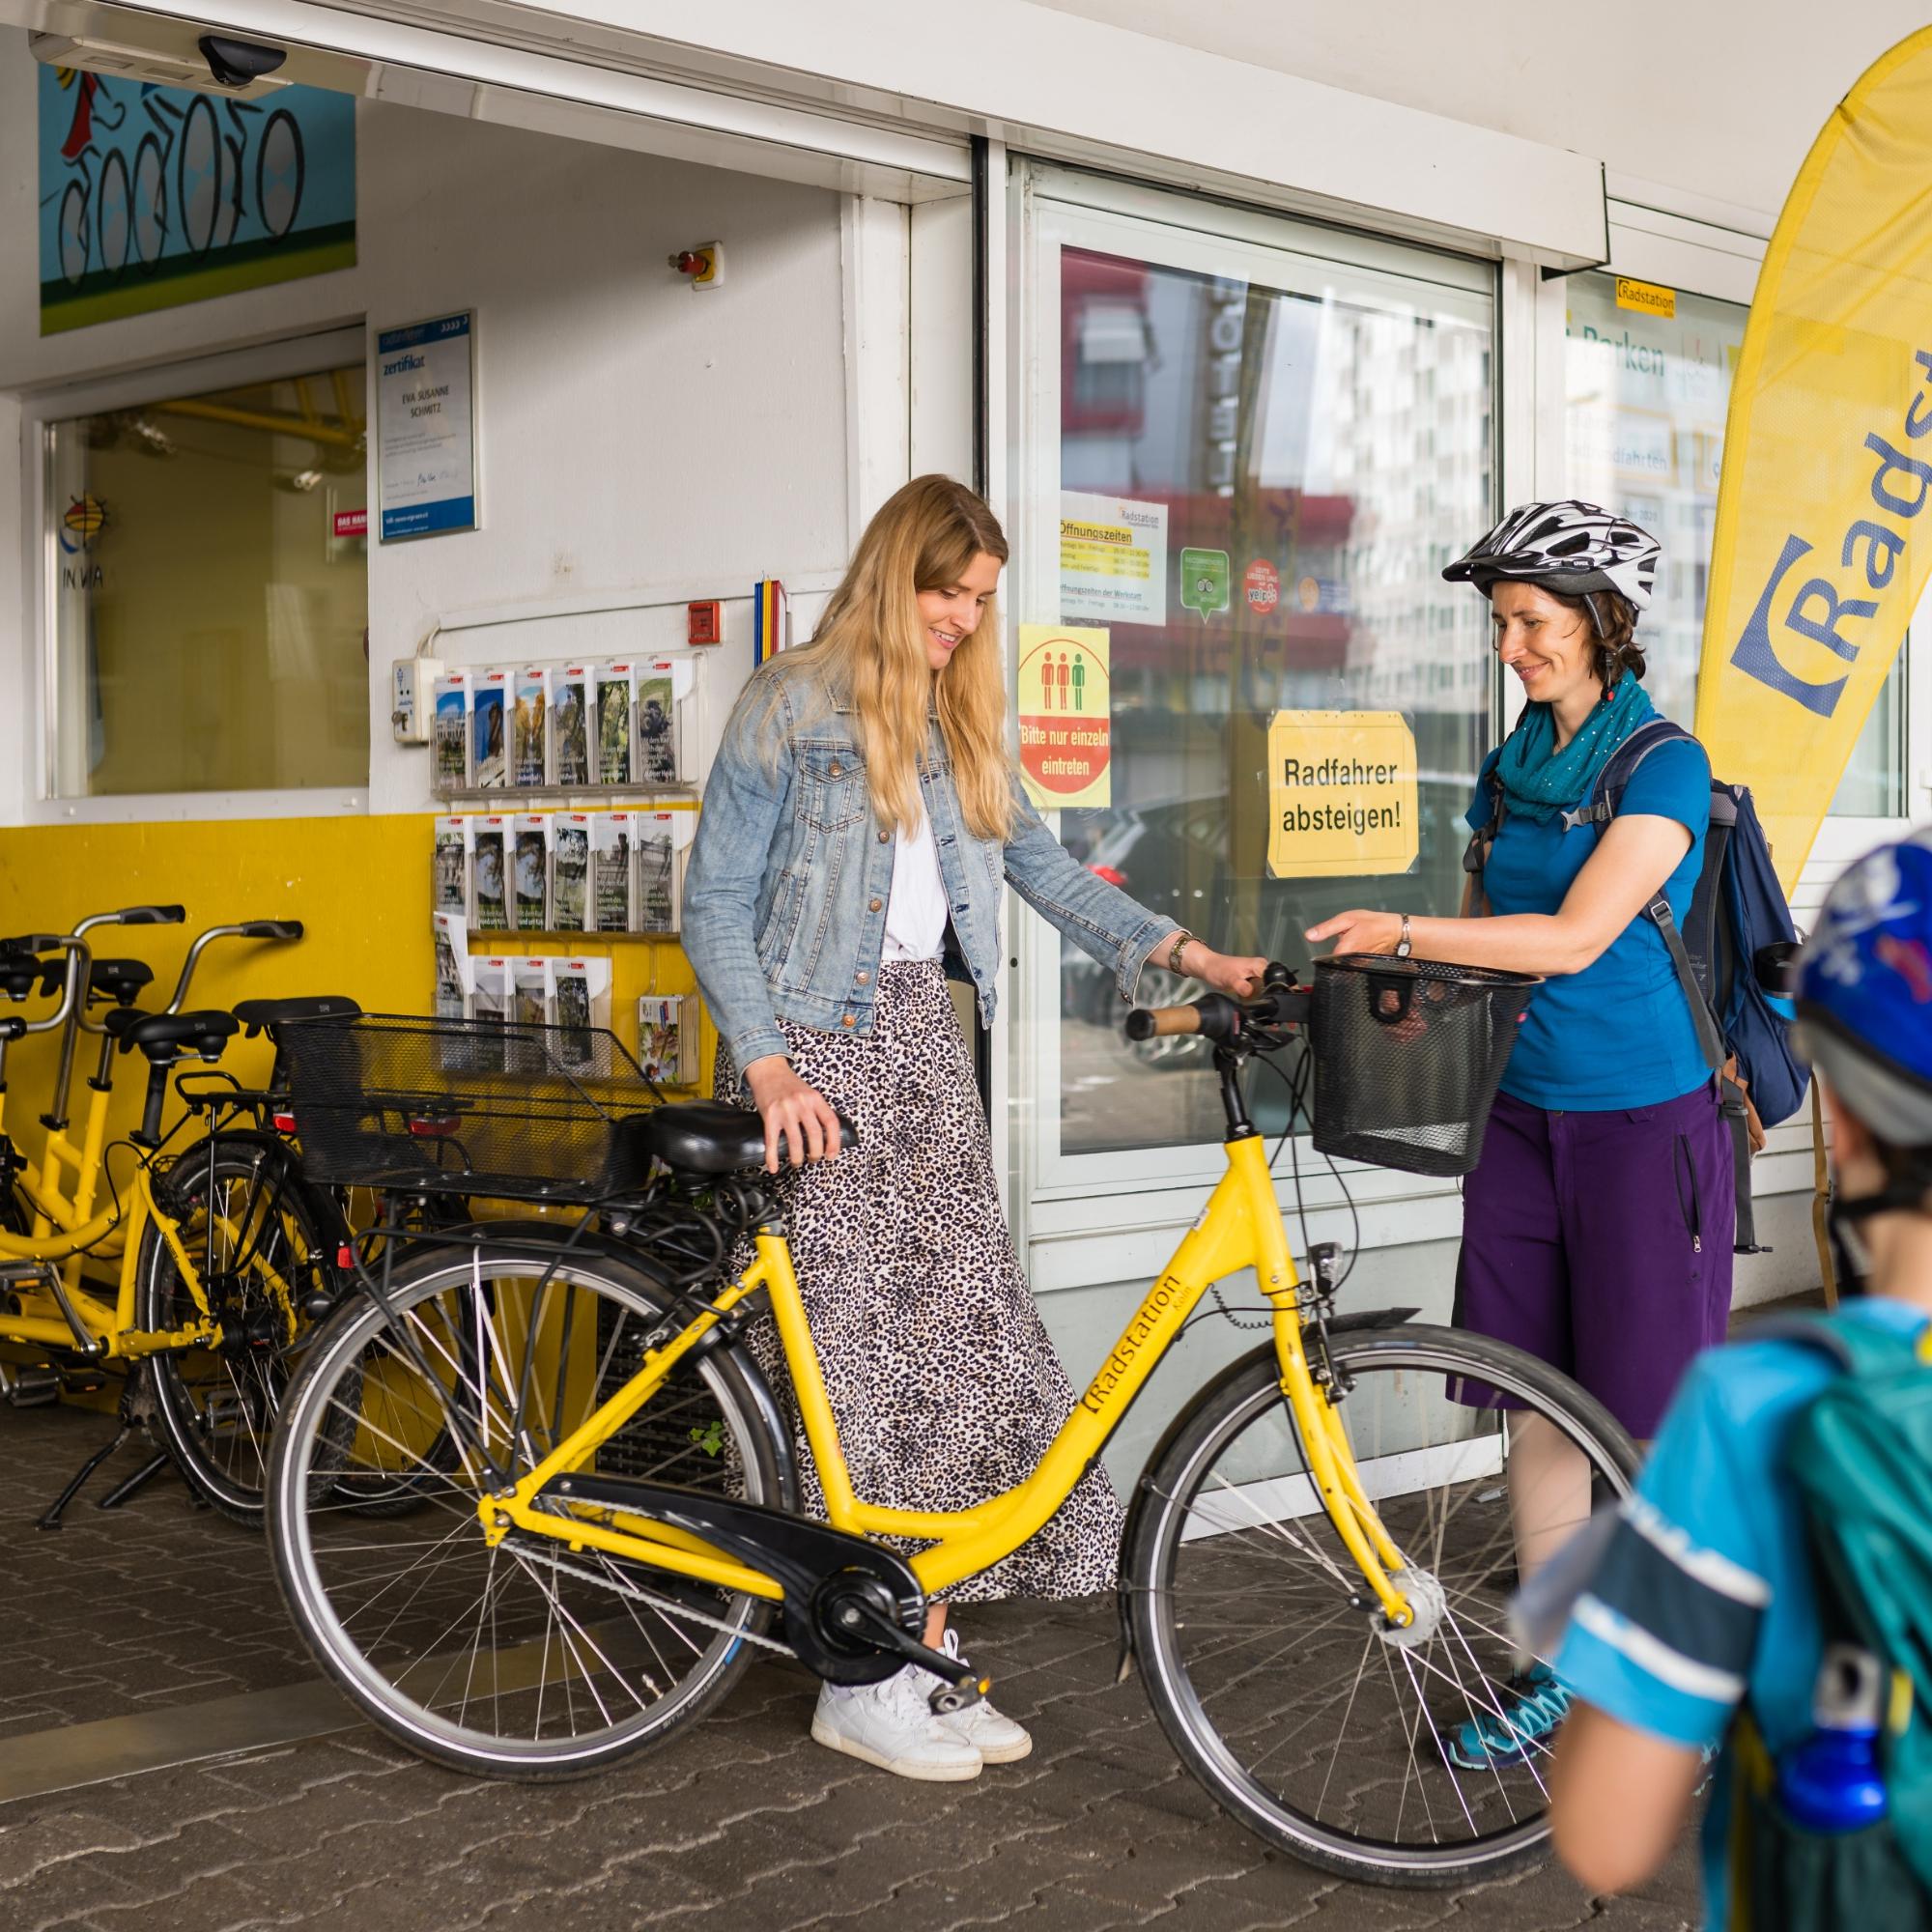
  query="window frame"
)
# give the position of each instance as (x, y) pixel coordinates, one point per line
(266, 362)
(1067, 1197)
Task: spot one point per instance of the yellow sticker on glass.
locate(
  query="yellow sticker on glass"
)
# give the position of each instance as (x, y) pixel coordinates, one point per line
(1342, 794)
(1646, 297)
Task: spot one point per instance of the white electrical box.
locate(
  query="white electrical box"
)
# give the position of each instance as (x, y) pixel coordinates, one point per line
(412, 706)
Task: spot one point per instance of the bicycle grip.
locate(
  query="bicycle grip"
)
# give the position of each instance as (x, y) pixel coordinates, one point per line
(1159, 1022)
(35, 942)
(272, 928)
(161, 915)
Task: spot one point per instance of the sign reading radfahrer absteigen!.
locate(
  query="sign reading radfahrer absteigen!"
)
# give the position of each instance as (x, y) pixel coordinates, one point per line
(1342, 799)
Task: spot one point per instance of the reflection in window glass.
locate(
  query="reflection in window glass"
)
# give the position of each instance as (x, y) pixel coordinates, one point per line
(1644, 435)
(1328, 447)
(208, 620)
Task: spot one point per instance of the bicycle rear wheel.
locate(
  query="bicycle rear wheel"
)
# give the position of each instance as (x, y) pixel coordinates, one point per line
(259, 1243)
(1326, 1734)
(528, 1660)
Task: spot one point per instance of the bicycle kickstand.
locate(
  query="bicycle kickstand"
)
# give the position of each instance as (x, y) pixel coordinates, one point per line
(51, 1518)
(132, 1485)
(130, 1420)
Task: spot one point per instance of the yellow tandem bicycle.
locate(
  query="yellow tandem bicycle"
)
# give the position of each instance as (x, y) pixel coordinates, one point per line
(1316, 1557)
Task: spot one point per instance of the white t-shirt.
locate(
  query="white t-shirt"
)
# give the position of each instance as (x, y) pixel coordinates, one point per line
(915, 911)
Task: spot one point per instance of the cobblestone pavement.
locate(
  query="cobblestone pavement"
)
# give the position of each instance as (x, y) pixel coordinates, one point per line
(741, 1826)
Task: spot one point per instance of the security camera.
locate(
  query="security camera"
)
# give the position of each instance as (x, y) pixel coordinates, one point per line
(238, 63)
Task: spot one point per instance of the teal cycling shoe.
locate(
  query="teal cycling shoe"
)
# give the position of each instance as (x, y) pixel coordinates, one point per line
(1532, 1708)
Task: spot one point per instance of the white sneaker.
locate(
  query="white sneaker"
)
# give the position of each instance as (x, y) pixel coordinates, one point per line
(891, 1726)
(996, 1738)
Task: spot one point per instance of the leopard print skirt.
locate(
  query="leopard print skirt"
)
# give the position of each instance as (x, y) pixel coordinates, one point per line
(945, 1386)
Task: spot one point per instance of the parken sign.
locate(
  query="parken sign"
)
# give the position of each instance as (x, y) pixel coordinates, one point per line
(1823, 603)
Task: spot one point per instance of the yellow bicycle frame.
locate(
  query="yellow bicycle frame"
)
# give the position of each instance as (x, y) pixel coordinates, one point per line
(1240, 1227)
(64, 1234)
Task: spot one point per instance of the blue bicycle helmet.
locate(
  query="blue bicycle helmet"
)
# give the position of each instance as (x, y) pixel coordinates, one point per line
(1865, 991)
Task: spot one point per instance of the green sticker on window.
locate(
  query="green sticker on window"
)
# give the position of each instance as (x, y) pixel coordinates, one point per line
(1204, 581)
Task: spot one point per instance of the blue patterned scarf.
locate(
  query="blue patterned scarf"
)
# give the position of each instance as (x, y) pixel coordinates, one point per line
(1541, 782)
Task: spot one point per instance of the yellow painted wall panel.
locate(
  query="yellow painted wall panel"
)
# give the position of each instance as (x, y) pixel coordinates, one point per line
(360, 886)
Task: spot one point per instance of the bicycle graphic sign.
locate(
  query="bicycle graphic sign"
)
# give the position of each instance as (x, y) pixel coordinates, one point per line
(152, 196)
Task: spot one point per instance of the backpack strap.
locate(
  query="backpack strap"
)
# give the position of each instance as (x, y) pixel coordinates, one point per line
(1857, 1348)
(1619, 768)
(1476, 854)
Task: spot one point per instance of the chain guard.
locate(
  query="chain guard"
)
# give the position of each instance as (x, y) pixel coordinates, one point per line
(821, 1570)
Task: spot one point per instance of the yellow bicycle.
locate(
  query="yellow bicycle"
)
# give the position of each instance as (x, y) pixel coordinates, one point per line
(1316, 1562)
(191, 1277)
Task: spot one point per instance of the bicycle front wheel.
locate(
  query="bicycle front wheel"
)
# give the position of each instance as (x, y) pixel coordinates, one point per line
(528, 1660)
(1363, 1750)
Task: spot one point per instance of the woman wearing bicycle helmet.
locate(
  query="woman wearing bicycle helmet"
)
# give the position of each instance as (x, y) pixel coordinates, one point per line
(859, 827)
(1706, 1599)
(1597, 1228)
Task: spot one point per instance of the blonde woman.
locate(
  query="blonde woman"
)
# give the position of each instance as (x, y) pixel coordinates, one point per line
(859, 825)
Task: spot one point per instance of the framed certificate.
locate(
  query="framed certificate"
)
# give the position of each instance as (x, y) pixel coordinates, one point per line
(426, 427)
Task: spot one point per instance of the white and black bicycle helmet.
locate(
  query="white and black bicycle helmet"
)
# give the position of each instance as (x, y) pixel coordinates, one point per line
(1574, 549)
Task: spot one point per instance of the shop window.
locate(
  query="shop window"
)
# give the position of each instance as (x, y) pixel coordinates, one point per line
(1275, 411)
(1644, 435)
(210, 600)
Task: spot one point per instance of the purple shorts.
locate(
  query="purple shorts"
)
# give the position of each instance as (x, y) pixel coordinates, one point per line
(1602, 1242)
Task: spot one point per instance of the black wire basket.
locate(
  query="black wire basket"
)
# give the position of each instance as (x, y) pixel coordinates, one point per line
(471, 1107)
(1407, 1054)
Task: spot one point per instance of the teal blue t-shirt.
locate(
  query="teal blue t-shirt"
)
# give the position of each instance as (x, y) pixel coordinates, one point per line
(1618, 1033)
(1704, 1595)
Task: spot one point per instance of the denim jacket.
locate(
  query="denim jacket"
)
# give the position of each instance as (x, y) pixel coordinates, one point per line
(784, 903)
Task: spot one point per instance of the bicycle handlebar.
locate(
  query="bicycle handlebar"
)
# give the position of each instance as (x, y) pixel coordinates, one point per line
(278, 929)
(1216, 1018)
(1161, 1022)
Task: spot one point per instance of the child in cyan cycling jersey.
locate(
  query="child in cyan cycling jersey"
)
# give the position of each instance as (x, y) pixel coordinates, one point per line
(1704, 1601)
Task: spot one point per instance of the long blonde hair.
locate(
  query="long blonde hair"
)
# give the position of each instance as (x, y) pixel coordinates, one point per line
(870, 646)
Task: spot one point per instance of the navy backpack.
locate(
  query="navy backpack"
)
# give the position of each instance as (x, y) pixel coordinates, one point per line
(1738, 912)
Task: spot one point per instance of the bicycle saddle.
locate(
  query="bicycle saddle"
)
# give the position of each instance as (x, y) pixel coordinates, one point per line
(256, 1014)
(20, 972)
(118, 980)
(708, 1136)
(166, 1036)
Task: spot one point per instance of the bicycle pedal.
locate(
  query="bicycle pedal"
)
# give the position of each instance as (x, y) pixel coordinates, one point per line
(949, 1698)
(30, 1388)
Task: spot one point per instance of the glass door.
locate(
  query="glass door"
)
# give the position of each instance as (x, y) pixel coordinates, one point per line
(1247, 448)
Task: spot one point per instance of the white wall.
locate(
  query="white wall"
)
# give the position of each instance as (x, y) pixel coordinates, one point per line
(633, 432)
(1719, 97)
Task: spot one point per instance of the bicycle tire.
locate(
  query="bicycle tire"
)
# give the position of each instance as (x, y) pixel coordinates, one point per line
(278, 220)
(115, 214)
(74, 230)
(1179, 1630)
(381, 1650)
(227, 1462)
(198, 193)
(151, 204)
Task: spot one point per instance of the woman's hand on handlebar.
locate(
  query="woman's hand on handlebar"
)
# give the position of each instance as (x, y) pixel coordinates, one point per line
(798, 1118)
(1360, 931)
(1240, 978)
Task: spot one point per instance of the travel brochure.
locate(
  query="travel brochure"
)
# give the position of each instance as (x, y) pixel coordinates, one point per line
(618, 871)
(625, 723)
